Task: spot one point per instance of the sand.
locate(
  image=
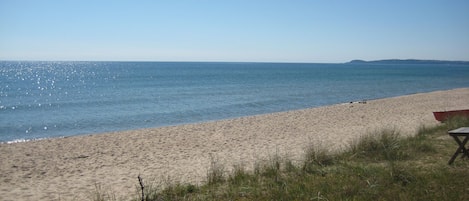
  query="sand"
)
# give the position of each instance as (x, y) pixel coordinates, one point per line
(70, 168)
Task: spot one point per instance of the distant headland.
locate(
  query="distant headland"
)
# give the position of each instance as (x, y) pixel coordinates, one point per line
(408, 61)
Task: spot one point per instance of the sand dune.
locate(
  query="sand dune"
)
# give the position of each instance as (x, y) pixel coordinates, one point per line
(70, 168)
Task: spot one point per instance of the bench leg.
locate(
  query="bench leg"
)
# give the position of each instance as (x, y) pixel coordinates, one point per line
(461, 149)
(454, 157)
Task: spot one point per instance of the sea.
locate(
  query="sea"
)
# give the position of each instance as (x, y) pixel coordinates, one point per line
(40, 100)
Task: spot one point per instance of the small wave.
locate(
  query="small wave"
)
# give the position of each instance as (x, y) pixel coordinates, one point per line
(22, 140)
(18, 141)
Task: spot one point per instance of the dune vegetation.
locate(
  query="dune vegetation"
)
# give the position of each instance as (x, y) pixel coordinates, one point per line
(378, 166)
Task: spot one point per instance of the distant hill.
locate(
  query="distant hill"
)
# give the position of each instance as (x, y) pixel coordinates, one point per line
(408, 61)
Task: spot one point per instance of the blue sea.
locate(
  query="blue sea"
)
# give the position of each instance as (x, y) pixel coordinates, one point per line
(55, 99)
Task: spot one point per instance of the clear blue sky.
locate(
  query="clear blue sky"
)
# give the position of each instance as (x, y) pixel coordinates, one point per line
(234, 30)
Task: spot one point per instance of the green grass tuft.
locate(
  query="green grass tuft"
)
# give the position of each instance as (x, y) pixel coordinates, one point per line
(383, 145)
(216, 172)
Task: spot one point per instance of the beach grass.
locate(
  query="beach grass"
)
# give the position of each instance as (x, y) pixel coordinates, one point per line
(382, 165)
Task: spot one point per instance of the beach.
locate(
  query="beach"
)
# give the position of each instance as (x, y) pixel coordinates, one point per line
(71, 168)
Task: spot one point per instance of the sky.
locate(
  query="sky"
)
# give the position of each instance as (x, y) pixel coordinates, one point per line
(319, 31)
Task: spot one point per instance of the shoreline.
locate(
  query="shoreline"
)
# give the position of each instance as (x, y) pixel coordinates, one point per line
(24, 140)
(69, 168)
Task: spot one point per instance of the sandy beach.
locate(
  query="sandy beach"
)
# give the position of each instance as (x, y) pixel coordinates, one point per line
(70, 168)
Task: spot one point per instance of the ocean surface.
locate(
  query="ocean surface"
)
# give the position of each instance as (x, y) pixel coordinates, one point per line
(55, 99)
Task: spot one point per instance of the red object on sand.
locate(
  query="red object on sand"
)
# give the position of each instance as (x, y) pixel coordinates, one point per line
(443, 116)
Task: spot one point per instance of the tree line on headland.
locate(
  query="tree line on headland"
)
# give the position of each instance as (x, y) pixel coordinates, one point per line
(409, 61)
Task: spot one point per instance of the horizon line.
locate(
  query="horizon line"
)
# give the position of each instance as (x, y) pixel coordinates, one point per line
(214, 61)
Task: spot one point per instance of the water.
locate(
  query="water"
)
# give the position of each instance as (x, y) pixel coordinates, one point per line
(54, 99)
